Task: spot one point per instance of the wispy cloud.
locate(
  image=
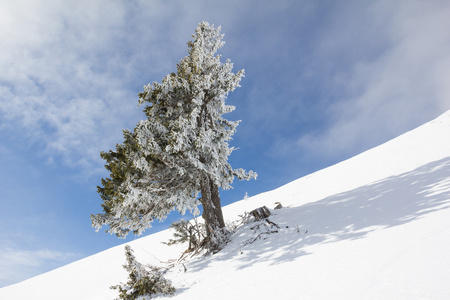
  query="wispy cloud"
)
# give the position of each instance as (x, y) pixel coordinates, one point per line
(71, 71)
(66, 73)
(18, 264)
(402, 86)
(336, 72)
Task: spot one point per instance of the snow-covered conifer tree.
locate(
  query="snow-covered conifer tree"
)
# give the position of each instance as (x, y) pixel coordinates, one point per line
(178, 157)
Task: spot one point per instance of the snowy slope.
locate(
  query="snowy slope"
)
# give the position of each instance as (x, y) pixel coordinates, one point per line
(376, 226)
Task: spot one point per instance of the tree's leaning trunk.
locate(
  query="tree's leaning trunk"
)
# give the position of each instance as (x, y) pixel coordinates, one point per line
(208, 209)
(215, 198)
(212, 212)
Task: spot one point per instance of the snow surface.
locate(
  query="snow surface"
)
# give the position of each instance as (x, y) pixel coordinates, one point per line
(375, 226)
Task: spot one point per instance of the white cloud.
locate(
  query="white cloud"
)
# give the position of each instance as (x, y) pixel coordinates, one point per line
(402, 87)
(62, 83)
(18, 264)
(71, 71)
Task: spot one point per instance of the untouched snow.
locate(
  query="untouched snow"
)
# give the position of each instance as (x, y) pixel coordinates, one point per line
(375, 226)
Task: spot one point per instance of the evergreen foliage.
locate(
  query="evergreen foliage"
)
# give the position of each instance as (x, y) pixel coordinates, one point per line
(143, 282)
(180, 151)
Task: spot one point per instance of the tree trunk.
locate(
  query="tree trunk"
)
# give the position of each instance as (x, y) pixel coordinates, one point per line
(215, 198)
(212, 212)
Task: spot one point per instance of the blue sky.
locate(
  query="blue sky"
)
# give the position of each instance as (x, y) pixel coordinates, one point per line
(325, 80)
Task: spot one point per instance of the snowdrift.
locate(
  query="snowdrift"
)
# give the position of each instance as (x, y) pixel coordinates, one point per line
(376, 226)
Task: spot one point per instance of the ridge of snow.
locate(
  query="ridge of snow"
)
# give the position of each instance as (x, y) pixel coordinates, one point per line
(375, 226)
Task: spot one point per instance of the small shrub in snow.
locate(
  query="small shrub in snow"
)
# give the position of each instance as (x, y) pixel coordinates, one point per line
(185, 232)
(198, 238)
(246, 196)
(143, 281)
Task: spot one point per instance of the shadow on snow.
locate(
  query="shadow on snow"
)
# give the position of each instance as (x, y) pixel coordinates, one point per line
(353, 214)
